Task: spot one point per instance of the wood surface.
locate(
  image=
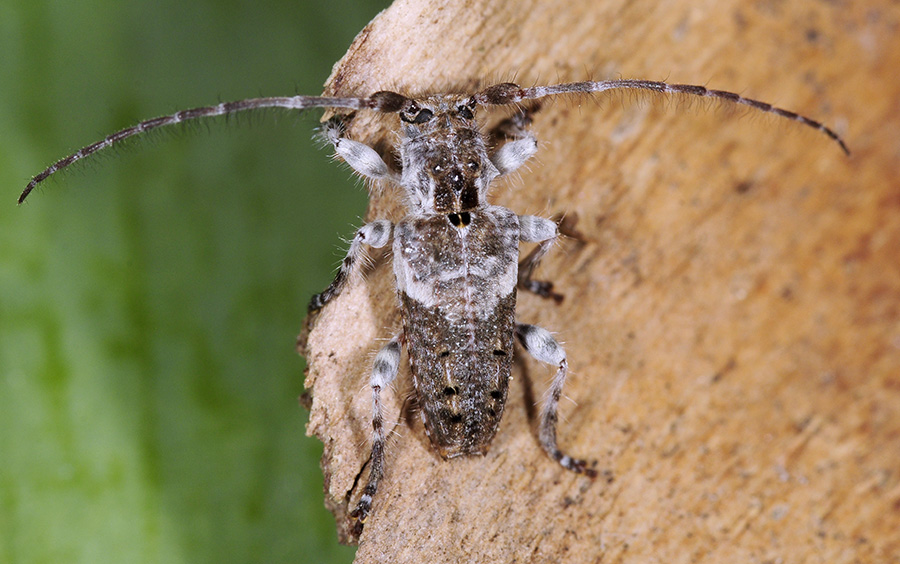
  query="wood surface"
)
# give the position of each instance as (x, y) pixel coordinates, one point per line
(732, 318)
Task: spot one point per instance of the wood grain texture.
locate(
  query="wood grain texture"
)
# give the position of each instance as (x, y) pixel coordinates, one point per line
(732, 320)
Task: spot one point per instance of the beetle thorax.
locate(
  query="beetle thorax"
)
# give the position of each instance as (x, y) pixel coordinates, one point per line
(446, 168)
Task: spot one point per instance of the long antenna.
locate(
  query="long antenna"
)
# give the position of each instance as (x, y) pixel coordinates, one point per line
(384, 102)
(391, 102)
(509, 93)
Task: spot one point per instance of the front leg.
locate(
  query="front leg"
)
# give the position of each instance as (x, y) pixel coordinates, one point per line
(520, 143)
(541, 345)
(362, 158)
(375, 234)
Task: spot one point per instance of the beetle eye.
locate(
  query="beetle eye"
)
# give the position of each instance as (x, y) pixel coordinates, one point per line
(423, 116)
(474, 165)
(416, 115)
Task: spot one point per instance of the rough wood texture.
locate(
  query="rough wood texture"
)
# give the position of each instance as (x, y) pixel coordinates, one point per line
(732, 321)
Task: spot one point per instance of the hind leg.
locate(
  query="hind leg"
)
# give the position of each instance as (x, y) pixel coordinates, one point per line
(384, 370)
(541, 345)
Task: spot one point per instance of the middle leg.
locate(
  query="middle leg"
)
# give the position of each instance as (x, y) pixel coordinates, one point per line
(535, 229)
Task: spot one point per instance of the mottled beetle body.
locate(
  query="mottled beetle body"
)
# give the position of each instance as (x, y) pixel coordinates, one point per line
(456, 266)
(455, 256)
(455, 263)
(457, 288)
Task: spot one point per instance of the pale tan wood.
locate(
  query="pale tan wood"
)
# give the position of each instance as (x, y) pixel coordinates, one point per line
(732, 321)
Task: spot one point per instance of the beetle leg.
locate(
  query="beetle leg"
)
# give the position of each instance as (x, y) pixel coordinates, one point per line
(375, 234)
(384, 370)
(541, 345)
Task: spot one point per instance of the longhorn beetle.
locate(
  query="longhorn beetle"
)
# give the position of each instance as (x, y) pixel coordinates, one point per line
(455, 256)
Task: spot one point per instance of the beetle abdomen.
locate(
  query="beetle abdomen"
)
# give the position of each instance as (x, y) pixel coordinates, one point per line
(457, 285)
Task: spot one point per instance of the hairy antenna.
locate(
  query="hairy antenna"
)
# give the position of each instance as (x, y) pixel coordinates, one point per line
(380, 101)
(509, 93)
(391, 102)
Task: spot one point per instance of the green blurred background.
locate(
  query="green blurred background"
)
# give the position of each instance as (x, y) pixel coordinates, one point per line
(149, 300)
